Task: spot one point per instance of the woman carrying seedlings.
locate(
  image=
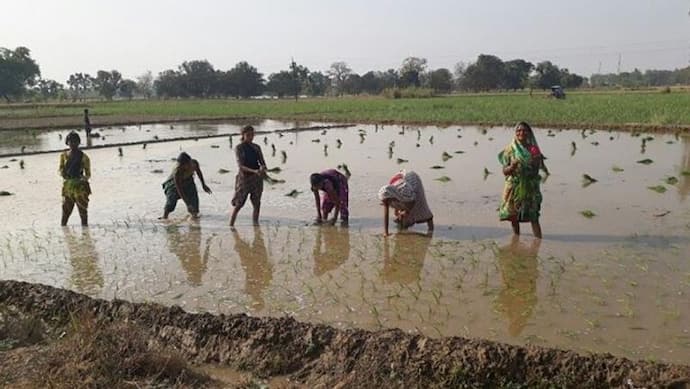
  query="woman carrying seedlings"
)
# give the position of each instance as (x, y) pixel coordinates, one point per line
(335, 195)
(180, 185)
(250, 177)
(405, 194)
(75, 169)
(521, 160)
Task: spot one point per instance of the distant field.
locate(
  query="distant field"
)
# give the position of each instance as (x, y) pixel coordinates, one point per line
(652, 110)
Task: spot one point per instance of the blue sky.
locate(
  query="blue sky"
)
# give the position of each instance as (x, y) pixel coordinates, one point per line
(68, 36)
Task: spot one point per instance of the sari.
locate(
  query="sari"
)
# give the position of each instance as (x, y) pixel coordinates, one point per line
(521, 200)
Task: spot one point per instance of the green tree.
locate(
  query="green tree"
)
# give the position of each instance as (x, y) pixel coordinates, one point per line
(516, 74)
(353, 84)
(571, 80)
(441, 80)
(299, 76)
(107, 83)
(17, 72)
(281, 83)
(246, 80)
(169, 84)
(483, 75)
(547, 75)
(79, 84)
(197, 78)
(127, 89)
(411, 71)
(372, 82)
(338, 73)
(317, 84)
(49, 89)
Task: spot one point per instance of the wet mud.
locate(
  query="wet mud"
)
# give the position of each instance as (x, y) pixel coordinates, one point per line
(322, 356)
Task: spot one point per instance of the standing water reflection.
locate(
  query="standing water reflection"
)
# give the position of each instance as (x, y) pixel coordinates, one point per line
(405, 264)
(257, 268)
(186, 245)
(86, 274)
(519, 269)
(331, 249)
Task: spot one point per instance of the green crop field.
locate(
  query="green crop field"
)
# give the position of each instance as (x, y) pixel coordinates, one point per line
(579, 110)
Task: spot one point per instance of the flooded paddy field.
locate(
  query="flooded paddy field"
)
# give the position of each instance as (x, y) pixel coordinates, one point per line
(617, 282)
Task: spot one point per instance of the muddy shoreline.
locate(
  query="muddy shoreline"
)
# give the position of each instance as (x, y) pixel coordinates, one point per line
(66, 122)
(321, 356)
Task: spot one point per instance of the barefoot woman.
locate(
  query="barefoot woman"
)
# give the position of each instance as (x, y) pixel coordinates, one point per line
(522, 159)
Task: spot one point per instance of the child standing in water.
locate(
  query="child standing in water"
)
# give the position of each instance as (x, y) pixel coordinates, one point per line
(250, 178)
(75, 169)
(180, 185)
(333, 184)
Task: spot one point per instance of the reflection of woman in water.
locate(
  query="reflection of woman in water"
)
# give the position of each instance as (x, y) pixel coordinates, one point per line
(331, 249)
(257, 269)
(187, 247)
(86, 275)
(406, 263)
(518, 263)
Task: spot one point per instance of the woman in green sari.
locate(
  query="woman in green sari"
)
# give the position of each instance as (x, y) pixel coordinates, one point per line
(521, 160)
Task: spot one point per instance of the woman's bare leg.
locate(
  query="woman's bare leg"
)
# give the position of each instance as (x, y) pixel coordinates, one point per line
(516, 227)
(536, 229)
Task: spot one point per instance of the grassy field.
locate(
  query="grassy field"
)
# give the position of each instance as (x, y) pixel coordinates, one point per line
(579, 110)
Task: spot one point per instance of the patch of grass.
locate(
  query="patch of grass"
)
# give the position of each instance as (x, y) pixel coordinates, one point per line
(579, 110)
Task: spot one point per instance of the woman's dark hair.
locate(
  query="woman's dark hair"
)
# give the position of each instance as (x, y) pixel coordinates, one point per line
(246, 129)
(524, 124)
(183, 158)
(316, 179)
(72, 136)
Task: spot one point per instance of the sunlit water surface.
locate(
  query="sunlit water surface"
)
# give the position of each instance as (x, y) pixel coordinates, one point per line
(617, 282)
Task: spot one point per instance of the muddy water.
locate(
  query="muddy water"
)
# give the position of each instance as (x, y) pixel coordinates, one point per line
(617, 282)
(39, 140)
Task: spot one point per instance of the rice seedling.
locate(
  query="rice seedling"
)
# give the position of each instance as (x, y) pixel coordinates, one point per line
(587, 213)
(657, 188)
(21, 164)
(438, 167)
(283, 156)
(400, 160)
(157, 171)
(223, 171)
(443, 179)
(617, 169)
(5, 193)
(293, 193)
(645, 161)
(671, 180)
(445, 156)
(587, 180)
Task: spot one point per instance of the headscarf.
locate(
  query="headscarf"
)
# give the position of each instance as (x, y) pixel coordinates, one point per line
(523, 153)
(400, 190)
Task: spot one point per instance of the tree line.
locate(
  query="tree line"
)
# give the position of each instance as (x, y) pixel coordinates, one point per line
(638, 79)
(20, 77)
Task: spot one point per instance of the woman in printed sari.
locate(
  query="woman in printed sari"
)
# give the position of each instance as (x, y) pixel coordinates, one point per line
(405, 194)
(75, 169)
(521, 160)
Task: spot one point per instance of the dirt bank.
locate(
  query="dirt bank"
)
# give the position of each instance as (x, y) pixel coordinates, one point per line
(321, 356)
